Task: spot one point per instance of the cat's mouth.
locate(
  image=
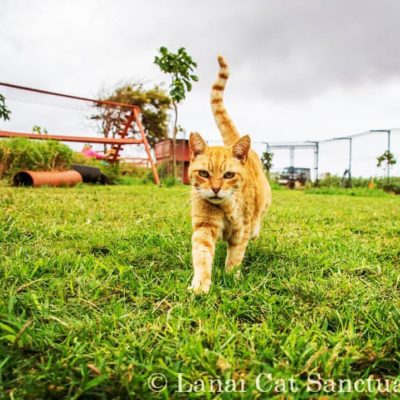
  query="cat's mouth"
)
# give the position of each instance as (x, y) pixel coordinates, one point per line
(215, 199)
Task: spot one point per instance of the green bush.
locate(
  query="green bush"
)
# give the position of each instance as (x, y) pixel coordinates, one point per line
(392, 186)
(330, 183)
(134, 171)
(19, 154)
(275, 185)
(362, 182)
(334, 181)
(359, 182)
(383, 182)
(359, 192)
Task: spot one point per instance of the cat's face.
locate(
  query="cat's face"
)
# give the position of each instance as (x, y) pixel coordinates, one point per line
(217, 172)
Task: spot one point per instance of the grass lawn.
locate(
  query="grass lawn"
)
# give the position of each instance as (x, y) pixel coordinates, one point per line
(93, 296)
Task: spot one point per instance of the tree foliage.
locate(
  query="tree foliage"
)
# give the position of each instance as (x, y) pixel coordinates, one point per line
(180, 66)
(266, 160)
(4, 111)
(39, 130)
(154, 104)
(387, 157)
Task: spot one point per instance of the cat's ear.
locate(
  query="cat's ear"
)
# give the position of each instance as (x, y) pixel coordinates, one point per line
(197, 145)
(241, 148)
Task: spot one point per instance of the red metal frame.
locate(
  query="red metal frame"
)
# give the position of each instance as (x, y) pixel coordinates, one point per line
(133, 118)
(103, 102)
(128, 123)
(146, 144)
(78, 139)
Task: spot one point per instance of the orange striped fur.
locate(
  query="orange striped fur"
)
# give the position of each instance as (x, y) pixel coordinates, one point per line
(230, 192)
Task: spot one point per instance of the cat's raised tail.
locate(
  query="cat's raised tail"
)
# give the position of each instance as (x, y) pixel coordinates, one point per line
(228, 130)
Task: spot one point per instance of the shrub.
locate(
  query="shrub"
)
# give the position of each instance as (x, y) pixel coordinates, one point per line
(275, 185)
(332, 182)
(133, 170)
(362, 182)
(19, 153)
(393, 186)
(359, 192)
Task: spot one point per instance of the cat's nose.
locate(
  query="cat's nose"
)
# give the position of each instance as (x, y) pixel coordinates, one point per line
(215, 189)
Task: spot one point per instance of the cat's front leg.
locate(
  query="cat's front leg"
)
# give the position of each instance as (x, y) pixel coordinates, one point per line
(237, 245)
(203, 247)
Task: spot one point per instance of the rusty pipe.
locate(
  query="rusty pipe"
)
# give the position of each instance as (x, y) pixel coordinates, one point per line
(47, 178)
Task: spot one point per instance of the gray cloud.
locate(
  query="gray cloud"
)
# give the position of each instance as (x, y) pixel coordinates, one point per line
(300, 48)
(282, 49)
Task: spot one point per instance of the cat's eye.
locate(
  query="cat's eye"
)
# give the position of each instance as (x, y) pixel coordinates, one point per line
(204, 174)
(229, 175)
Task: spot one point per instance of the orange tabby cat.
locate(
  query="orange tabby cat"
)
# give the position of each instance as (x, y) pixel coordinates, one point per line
(230, 192)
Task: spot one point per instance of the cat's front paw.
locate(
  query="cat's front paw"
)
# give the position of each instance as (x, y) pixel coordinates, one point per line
(200, 286)
(233, 270)
(256, 231)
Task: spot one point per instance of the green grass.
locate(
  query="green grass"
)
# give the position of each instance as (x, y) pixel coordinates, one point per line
(360, 192)
(93, 294)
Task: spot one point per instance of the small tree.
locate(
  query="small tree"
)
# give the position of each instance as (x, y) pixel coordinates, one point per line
(39, 130)
(4, 111)
(180, 67)
(388, 158)
(154, 104)
(266, 160)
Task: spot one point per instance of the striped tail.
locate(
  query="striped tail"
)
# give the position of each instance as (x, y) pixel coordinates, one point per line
(228, 130)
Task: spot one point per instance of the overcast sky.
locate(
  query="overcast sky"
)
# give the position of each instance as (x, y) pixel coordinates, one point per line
(300, 70)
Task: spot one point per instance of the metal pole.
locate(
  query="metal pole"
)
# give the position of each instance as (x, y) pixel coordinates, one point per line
(388, 131)
(292, 156)
(316, 162)
(292, 183)
(105, 102)
(350, 158)
(316, 159)
(388, 165)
